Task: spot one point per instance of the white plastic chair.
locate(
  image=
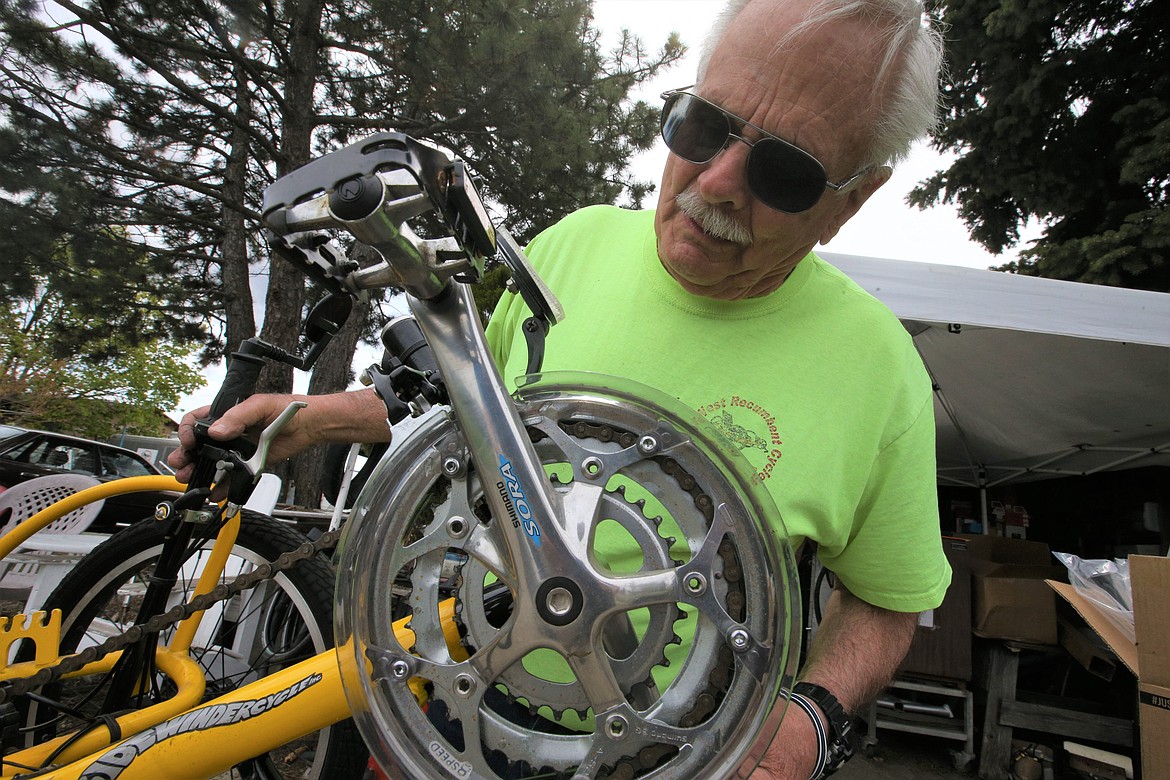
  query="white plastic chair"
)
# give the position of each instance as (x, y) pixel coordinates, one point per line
(44, 558)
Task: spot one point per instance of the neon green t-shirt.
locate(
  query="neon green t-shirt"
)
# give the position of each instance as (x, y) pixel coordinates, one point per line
(817, 383)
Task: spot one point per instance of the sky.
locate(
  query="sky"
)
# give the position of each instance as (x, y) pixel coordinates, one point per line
(885, 227)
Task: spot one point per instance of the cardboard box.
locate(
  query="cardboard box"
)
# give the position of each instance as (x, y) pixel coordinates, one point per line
(942, 647)
(1088, 649)
(1009, 594)
(1149, 659)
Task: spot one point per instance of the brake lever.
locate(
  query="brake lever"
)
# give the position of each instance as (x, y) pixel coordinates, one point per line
(258, 460)
(241, 475)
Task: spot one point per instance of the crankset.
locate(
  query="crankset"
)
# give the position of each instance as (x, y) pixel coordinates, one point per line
(663, 654)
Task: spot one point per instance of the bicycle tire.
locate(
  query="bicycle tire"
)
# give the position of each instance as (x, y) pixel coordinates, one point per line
(101, 589)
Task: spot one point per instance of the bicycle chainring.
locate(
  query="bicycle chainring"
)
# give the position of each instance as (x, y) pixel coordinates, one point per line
(700, 673)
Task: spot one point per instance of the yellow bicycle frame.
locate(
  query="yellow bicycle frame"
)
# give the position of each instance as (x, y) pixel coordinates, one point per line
(180, 737)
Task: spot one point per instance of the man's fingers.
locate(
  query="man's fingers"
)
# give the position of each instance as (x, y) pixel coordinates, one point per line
(187, 426)
(251, 415)
(254, 412)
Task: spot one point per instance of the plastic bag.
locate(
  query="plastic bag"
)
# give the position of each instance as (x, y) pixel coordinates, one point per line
(1106, 584)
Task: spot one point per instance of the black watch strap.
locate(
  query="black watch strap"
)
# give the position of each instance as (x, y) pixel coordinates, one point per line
(840, 724)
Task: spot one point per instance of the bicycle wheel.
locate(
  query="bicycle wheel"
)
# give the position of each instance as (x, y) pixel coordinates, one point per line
(282, 621)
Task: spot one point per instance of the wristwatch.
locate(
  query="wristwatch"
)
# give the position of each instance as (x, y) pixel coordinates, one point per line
(840, 744)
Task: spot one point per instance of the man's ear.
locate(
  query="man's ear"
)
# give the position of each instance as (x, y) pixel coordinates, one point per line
(854, 199)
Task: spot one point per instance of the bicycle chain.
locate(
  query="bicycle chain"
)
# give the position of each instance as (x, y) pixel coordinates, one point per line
(47, 675)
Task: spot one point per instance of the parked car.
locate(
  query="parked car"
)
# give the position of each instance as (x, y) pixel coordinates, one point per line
(154, 448)
(25, 454)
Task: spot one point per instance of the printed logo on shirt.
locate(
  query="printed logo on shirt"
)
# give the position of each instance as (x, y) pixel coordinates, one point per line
(750, 427)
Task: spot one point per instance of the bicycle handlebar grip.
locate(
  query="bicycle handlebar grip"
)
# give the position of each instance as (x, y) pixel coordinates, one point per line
(239, 383)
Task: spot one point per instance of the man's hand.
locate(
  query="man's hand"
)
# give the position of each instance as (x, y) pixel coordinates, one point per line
(341, 417)
(793, 753)
(855, 653)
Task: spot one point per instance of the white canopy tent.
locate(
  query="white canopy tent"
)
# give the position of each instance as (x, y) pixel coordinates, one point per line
(1033, 377)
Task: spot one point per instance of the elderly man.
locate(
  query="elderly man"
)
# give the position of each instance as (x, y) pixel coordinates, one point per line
(716, 297)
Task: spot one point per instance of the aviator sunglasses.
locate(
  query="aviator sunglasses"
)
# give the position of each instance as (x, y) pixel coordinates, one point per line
(784, 177)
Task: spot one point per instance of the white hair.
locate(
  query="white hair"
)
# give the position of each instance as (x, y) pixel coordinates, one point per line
(912, 60)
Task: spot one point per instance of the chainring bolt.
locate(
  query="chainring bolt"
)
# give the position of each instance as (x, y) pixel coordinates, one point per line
(593, 467)
(457, 527)
(695, 584)
(739, 638)
(400, 670)
(648, 444)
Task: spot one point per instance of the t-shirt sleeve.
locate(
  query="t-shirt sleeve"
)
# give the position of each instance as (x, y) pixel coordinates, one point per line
(894, 559)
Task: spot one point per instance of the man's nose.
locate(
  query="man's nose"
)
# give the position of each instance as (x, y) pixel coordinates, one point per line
(724, 181)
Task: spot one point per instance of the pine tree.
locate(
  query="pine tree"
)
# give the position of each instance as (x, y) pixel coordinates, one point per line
(169, 117)
(1060, 112)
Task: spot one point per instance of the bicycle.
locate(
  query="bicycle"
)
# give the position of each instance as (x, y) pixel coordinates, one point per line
(470, 564)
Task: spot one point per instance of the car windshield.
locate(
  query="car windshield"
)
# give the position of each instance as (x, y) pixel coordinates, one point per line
(7, 430)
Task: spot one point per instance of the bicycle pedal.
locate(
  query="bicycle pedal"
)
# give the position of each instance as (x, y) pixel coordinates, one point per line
(40, 628)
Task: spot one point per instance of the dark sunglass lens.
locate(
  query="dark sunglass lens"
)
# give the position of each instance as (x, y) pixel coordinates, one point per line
(692, 129)
(784, 177)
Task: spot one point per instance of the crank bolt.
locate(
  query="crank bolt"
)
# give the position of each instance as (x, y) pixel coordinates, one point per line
(616, 727)
(400, 670)
(740, 639)
(464, 685)
(560, 601)
(695, 583)
(451, 466)
(648, 444)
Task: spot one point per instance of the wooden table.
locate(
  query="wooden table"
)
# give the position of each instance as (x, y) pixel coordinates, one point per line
(1009, 708)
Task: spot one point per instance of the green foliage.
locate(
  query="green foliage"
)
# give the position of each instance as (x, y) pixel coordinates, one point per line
(62, 370)
(61, 188)
(1060, 113)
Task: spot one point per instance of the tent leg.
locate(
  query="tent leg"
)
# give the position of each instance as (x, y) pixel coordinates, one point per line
(983, 502)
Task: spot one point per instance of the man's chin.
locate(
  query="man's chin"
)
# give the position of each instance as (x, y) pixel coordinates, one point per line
(691, 280)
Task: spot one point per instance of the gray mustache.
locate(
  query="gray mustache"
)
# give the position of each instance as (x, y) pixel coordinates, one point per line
(711, 219)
